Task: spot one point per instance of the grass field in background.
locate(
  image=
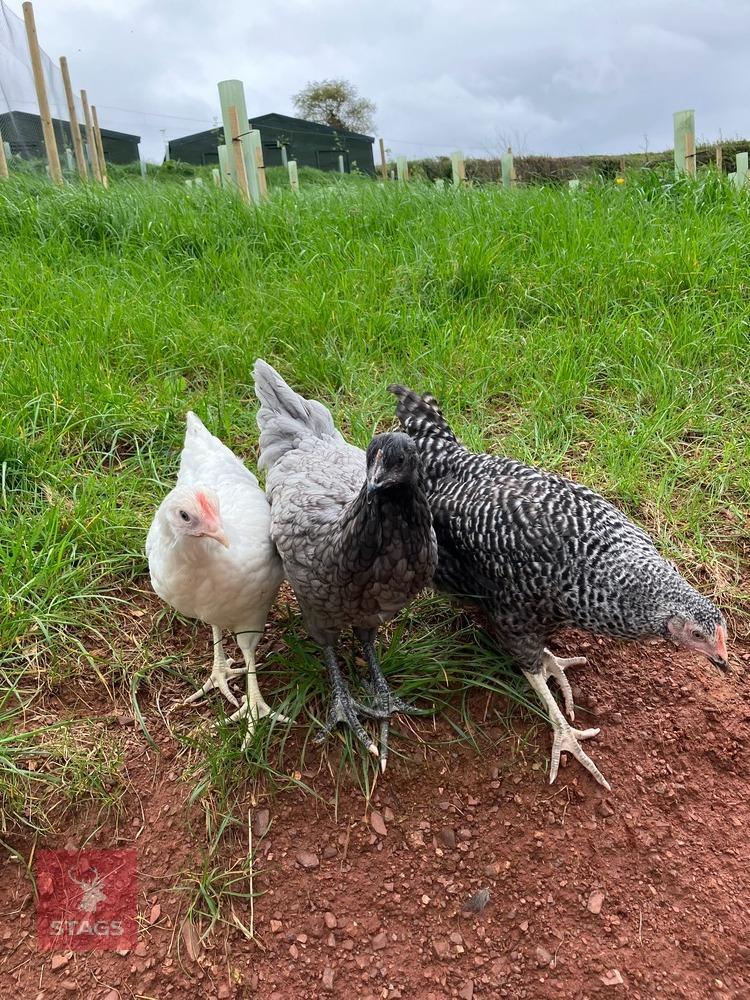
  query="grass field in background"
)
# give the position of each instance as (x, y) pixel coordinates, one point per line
(602, 333)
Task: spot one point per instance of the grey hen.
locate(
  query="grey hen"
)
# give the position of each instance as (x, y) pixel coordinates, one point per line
(353, 530)
(536, 552)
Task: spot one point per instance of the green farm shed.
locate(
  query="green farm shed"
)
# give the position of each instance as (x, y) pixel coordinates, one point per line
(309, 143)
(23, 132)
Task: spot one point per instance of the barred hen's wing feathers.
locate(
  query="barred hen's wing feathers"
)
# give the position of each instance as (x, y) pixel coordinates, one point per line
(536, 546)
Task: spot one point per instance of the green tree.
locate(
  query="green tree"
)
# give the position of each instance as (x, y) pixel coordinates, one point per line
(336, 103)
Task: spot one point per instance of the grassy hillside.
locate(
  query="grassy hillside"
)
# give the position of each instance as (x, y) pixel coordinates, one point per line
(603, 334)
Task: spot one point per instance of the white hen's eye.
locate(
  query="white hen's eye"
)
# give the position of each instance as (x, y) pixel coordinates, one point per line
(184, 515)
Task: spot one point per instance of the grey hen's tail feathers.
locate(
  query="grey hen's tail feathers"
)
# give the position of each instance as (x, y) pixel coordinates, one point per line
(421, 417)
(285, 418)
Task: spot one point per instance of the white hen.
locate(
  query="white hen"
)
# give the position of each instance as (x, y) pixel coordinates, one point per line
(211, 557)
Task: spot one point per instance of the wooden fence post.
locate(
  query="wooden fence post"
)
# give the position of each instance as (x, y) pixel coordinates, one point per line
(383, 164)
(73, 117)
(232, 92)
(719, 157)
(4, 175)
(239, 160)
(458, 168)
(50, 143)
(99, 147)
(90, 139)
(402, 169)
(684, 142)
(293, 178)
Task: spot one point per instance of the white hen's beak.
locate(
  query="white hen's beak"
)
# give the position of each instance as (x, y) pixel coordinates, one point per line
(219, 535)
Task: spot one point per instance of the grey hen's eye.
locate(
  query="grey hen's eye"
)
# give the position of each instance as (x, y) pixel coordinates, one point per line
(184, 515)
(697, 634)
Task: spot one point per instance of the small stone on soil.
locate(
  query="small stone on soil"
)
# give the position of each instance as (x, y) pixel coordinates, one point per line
(596, 901)
(330, 920)
(378, 824)
(306, 859)
(448, 837)
(441, 947)
(261, 822)
(467, 990)
(612, 978)
(477, 902)
(328, 975)
(543, 957)
(59, 962)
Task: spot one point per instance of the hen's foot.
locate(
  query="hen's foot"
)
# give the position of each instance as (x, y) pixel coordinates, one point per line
(345, 711)
(565, 740)
(221, 674)
(555, 666)
(254, 709)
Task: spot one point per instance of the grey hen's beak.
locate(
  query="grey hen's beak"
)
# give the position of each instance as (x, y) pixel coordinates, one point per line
(374, 474)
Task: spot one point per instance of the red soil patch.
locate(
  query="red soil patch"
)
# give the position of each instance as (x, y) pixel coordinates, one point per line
(643, 892)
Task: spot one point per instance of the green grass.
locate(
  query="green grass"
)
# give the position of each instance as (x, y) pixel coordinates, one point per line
(603, 334)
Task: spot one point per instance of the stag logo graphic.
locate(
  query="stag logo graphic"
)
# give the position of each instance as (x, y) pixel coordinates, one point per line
(86, 900)
(92, 893)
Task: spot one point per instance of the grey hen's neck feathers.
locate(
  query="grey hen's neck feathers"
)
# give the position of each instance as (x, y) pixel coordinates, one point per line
(538, 551)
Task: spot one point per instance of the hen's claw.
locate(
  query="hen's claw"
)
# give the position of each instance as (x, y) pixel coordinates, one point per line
(555, 666)
(219, 678)
(565, 740)
(345, 710)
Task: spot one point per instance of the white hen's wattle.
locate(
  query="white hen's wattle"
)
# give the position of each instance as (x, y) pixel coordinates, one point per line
(228, 588)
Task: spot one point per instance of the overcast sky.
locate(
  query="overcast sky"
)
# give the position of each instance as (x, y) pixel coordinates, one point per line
(550, 76)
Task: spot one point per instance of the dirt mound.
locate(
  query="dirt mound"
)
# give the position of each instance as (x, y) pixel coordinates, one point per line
(643, 892)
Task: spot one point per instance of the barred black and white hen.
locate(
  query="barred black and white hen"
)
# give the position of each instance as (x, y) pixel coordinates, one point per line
(536, 552)
(353, 530)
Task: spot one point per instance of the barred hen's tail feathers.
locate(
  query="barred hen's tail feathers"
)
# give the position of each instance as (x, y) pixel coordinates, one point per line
(422, 420)
(204, 456)
(285, 417)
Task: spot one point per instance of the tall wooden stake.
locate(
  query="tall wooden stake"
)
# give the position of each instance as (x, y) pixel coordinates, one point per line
(684, 126)
(719, 158)
(690, 157)
(73, 117)
(3, 161)
(99, 147)
(383, 164)
(239, 160)
(50, 143)
(90, 139)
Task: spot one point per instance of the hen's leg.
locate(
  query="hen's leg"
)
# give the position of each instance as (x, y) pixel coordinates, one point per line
(253, 704)
(565, 737)
(221, 673)
(344, 709)
(385, 700)
(555, 666)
